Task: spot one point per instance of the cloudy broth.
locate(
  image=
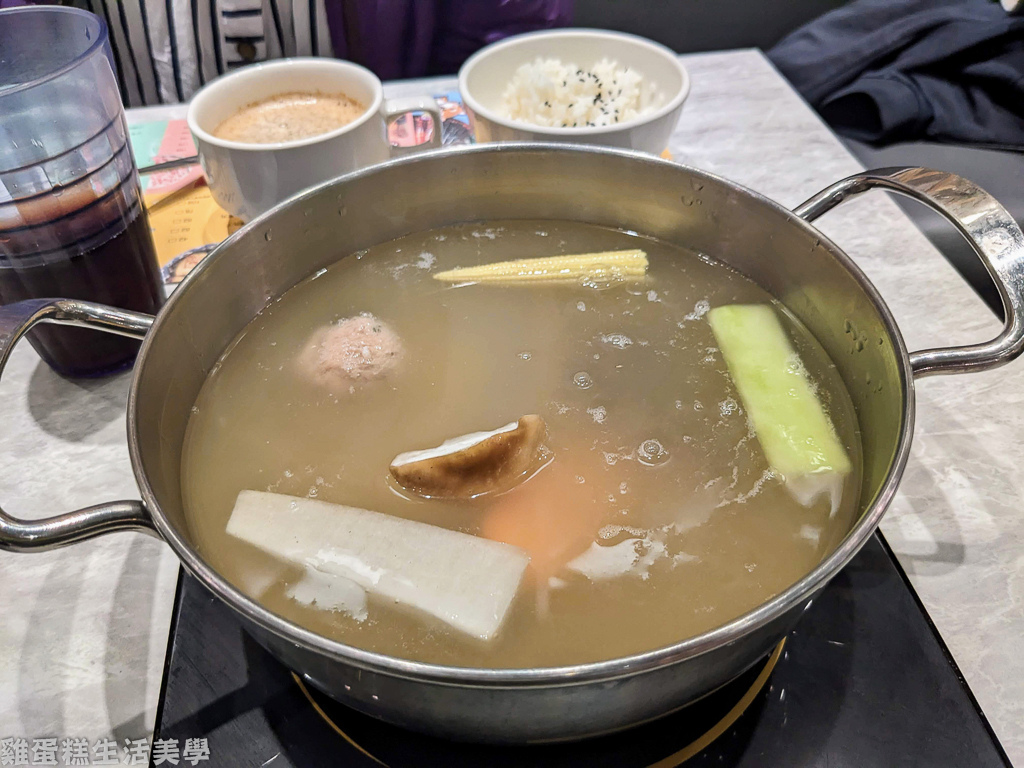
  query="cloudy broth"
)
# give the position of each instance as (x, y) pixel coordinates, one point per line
(645, 428)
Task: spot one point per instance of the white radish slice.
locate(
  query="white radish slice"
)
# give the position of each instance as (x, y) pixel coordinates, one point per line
(629, 557)
(255, 578)
(330, 593)
(466, 581)
(469, 465)
(607, 562)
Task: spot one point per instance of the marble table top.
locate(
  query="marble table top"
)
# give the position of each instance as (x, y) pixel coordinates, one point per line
(84, 629)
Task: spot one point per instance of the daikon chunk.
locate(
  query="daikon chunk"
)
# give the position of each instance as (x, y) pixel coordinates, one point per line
(629, 557)
(466, 581)
(330, 593)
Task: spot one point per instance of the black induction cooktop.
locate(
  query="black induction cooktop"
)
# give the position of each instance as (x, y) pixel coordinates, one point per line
(864, 680)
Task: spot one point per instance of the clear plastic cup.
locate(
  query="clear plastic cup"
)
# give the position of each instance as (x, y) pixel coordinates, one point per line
(72, 220)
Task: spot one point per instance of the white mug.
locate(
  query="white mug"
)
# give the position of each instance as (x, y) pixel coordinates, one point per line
(248, 179)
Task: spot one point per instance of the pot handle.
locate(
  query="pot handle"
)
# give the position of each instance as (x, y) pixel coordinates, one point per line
(26, 535)
(988, 227)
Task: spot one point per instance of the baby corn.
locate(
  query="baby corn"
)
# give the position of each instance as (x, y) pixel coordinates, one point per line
(631, 263)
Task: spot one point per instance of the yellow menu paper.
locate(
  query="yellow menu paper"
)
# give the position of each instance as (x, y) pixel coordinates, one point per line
(182, 220)
(182, 213)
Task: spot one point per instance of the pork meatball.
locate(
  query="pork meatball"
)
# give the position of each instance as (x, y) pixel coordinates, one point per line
(351, 351)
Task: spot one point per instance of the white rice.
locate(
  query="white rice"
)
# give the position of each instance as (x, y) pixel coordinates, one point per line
(552, 93)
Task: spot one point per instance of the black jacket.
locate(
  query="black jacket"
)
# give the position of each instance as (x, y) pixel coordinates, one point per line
(888, 70)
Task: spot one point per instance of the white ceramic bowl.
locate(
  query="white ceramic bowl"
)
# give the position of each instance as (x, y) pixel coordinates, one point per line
(484, 76)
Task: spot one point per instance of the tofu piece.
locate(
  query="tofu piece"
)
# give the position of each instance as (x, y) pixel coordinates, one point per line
(466, 581)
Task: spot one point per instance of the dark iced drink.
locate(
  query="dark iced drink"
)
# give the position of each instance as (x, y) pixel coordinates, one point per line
(117, 267)
(72, 220)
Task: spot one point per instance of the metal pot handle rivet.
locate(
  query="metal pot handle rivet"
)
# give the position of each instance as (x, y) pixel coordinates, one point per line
(25, 535)
(988, 227)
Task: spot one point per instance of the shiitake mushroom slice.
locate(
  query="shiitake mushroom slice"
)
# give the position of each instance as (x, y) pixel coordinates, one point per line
(473, 464)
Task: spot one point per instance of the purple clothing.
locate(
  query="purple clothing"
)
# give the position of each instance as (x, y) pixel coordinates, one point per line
(394, 38)
(468, 25)
(413, 38)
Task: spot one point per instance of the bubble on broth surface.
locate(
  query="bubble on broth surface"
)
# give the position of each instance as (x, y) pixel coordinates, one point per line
(490, 233)
(766, 476)
(601, 277)
(651, 453)
(700, 309)
(612, 458)
(728, 407)
(617, 340)
(611, 531)
(583, 380)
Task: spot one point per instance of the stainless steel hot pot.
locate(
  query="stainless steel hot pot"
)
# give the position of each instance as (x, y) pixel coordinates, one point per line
(776, 247)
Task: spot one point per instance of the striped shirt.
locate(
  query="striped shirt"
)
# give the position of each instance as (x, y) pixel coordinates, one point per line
(166, 50)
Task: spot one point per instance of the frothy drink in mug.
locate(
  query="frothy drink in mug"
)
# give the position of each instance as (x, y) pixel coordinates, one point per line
(289, 117)
(266, 132)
